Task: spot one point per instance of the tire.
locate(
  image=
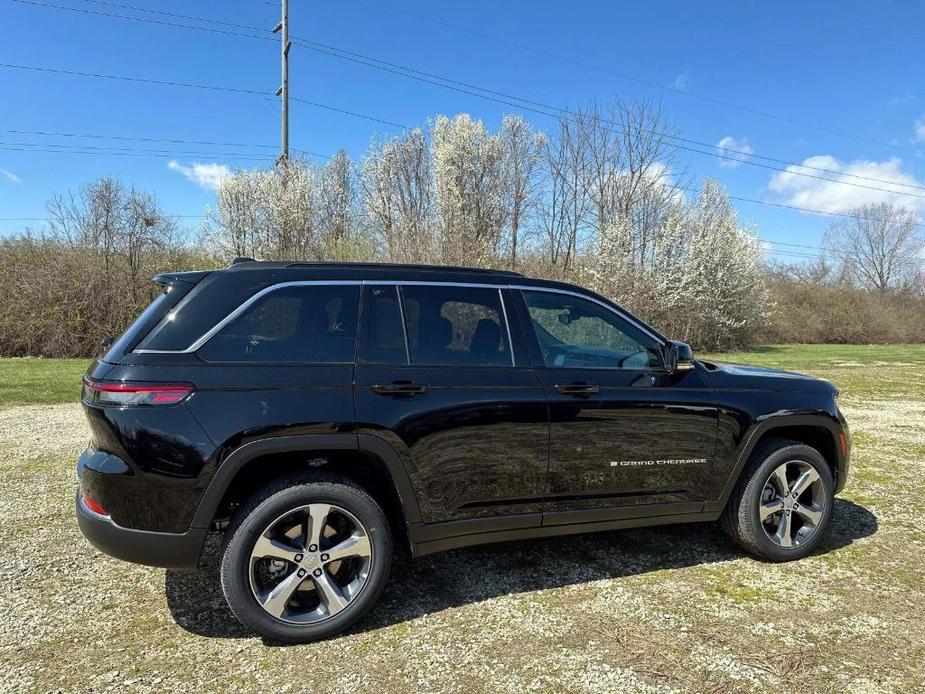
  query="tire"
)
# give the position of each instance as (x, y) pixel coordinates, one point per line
(329, 594)
(761, 491)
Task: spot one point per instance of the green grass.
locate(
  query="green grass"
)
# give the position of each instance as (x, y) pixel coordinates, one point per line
(815, 356)
(33, 381)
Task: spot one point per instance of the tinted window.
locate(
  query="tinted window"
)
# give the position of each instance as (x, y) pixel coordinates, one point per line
(308, 324)
(156, 310)
(573, 332)
(384, 336)
(455, 325)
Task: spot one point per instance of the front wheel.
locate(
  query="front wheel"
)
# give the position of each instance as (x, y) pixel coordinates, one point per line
(783, 501)
(306, 559)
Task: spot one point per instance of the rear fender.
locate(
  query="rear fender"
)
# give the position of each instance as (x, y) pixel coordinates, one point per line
(240, 457)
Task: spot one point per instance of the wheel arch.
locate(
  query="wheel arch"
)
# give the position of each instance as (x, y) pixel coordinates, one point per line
(818, 431)
(368, 460)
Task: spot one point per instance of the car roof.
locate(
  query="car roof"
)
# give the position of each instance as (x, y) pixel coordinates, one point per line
(294, 271)
(361, 269)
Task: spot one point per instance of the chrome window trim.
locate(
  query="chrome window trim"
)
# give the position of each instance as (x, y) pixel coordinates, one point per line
(399, 283)
(404, 326)
(507, 325)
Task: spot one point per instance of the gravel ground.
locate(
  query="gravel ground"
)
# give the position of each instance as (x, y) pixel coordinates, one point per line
(667, 609)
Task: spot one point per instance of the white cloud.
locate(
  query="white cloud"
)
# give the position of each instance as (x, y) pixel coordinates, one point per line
(733, 151)
(10, 176)
(919, 129)
(832, 196)
(682, 81)
(206, 175)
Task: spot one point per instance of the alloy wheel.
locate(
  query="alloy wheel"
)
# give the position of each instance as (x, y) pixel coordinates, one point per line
(793, 503)
(310, 564)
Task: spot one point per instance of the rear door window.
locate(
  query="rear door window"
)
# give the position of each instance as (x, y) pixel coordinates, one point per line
(383, 333)
(300, 324)
(449, 325)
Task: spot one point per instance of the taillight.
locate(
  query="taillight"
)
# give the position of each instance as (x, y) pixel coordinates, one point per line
(128, 393)
(94, 506)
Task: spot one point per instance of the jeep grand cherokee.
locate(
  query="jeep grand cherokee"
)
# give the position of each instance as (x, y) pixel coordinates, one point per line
(318, 413)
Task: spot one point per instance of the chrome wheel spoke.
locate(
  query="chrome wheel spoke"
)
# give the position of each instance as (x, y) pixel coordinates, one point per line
(274, 549)
(783, 536)
(330, 593)
(316, 519)
(354, 546)
(807, 478)
(780, 480)
(278, 599)
(769, 508)
(813, 513)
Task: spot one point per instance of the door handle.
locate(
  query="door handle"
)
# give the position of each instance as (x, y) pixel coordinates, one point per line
(578, 390)
(403, 389)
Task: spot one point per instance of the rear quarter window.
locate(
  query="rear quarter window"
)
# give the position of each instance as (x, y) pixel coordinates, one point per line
(300, 324)
(151, 316)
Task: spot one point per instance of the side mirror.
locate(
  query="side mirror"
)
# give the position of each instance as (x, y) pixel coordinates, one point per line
(679, 357)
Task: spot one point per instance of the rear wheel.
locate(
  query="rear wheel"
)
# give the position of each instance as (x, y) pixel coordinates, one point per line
(306, 559)
(782, 502)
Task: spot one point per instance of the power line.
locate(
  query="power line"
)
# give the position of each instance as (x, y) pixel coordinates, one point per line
(191, 85)
(464, 87)
(139, 150)
(429, 78)
(809, 210)
(142, 80)
(632, 78)
(52, 133)
(99, 13)
(170, 155)
(49, 219)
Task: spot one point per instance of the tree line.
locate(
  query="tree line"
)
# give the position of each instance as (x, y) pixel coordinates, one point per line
(603, 200)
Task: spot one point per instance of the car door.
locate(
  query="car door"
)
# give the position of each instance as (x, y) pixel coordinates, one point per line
(627, 438)
(438, 378)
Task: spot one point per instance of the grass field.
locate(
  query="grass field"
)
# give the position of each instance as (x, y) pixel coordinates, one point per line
(827, 356)
(650, 610)
(31, 381)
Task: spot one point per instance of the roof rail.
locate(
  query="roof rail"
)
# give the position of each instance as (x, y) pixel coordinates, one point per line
(408, 266)
(242, 259)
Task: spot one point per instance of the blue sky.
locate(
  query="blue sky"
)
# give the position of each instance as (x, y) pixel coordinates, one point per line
(851, 67)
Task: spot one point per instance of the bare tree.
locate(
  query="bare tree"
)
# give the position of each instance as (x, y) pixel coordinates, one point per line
(88, 271)
(337, 198)
(470, 189)
(522, 153)
(880, 247)
(567, 203)
(632, 161)
(398, 196)
(267, 214)
(237, 223)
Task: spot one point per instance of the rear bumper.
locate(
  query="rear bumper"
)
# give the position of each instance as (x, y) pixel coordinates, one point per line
(169, 550)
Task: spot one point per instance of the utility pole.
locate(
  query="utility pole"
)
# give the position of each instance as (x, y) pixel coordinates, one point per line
(283, 91)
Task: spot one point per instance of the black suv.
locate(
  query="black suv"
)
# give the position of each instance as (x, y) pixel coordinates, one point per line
(318, 413)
